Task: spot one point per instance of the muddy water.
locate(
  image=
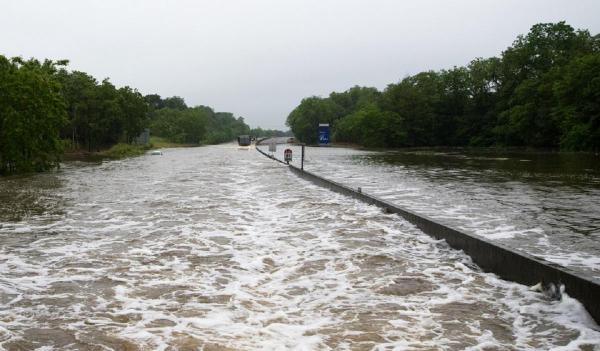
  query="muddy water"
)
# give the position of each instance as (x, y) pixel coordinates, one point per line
(546, 204)
(217, 248)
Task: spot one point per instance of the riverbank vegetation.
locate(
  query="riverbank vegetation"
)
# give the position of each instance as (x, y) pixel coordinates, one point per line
(46, 109)
(270, 133)
(32, 113)
(174, 121)
(543, 91)
(122, 150)
(160, 143)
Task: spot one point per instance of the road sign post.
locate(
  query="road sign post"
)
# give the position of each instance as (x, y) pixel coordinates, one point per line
(287, 156)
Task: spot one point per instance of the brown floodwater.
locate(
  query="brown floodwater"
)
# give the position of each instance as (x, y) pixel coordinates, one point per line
(220, 248)
(544, 203)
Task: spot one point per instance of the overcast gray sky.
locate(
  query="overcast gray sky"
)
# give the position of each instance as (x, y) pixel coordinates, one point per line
(258, 59)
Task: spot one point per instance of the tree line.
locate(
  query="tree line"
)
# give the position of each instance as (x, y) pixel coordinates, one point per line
(270, 133)
(543, 92)
(172, 119)
(45, 109)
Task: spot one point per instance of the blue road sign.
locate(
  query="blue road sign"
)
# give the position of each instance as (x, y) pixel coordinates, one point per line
(323, 133)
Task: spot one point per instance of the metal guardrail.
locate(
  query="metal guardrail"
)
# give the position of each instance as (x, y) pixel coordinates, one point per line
(264, 153)
(508, 263)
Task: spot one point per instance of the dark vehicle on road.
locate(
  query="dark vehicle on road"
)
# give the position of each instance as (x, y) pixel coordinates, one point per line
(244, 140)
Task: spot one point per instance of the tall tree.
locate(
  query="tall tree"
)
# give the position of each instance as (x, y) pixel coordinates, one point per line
(539, 93)
(578, 95)
(134, 112)
(528, 70)
(32, 111)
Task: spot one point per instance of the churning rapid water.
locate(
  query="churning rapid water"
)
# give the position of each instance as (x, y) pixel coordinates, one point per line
(217, 248)
(546, 204)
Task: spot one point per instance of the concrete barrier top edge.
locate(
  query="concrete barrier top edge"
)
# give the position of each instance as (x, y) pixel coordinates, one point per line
(471, 236)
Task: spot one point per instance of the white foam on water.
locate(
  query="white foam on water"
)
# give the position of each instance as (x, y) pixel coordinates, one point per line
(227, 249)
(510, 211)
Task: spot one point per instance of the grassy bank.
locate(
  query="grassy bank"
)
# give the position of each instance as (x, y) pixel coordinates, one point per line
(160, 143)
(122, 150)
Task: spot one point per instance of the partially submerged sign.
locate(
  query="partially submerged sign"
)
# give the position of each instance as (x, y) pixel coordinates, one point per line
(272, 146)
(287, 155)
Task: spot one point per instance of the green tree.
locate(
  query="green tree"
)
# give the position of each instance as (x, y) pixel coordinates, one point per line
(304, 120)
(371, 127)
(415, 99)
(455, 101)
(134, 113)
(174, 102)
(475, 127)
(100, 115)
(578, 95)
(539, 93)
(353, 99)
(529, 68)
(154, 101)
(32, 111)
(78, 91)
(195, 125)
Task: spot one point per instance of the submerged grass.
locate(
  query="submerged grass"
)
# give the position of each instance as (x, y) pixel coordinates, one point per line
(122, 150)
(159, 143)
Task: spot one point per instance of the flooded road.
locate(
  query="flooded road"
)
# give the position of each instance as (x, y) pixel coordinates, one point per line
(216, 248)
(546, 204)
